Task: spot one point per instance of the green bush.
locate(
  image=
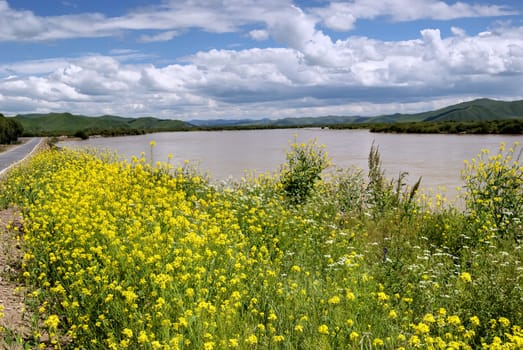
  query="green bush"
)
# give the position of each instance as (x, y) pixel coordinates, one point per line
(305, 162)
(384, 194)
(494, 194)
(81, 134)
(10, 130)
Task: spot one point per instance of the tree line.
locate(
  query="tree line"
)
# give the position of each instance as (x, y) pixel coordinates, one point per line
(10, 130)
(505, 126)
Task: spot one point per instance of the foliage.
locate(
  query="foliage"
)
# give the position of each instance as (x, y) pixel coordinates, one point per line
(81, 134)
(494, 193)
(305, 162)
(506, 126)
(345, 189)
(135, 255)
(383, 194)
(10, 130)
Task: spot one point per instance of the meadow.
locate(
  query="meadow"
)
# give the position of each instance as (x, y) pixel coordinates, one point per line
(140, 255)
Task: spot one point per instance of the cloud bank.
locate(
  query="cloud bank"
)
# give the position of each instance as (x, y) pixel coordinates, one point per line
(305, 73)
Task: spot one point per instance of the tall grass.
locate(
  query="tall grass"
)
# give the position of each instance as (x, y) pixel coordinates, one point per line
(131, 255)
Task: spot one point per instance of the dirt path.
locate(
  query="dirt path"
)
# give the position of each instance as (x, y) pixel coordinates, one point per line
(15, 323)
(13, 326)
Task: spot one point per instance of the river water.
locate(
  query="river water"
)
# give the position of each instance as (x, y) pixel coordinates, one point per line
(438, 159)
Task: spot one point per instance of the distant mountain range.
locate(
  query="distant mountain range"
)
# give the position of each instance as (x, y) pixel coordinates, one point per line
(480, 110)
(476, 110)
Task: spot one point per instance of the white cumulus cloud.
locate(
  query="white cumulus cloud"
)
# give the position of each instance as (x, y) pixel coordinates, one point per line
(310, 73)
(259, 34)
(163, 36)
(343, 15)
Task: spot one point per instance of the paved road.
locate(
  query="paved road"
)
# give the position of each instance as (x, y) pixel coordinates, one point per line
(16, 154)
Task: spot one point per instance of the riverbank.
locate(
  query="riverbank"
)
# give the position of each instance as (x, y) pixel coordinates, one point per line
(128, 254)
(226, 155)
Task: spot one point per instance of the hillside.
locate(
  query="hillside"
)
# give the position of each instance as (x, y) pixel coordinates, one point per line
(481, 111)
(318, 121)
(229, 122)
(53, 124)
(278, 123)
(476, 110)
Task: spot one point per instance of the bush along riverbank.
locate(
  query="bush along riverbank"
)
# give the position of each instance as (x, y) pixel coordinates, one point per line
(140, 256)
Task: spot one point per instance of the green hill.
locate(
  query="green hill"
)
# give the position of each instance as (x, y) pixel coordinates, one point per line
(149, 123)
(476, 110)
(53, 124)
(485, 111)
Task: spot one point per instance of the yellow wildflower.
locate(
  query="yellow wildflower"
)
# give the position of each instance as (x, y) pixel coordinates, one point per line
(429, 318)
(52, 322)
(377, 342)
(127, 332)
(474, 320)
(323, 329)
(334, 300)
(252, 339)
(465, 277)
(454, 320)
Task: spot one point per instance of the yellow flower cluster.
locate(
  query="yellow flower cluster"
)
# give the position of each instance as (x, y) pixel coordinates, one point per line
(135, 256)
(1, 316)
(129, 255)
(495, 186)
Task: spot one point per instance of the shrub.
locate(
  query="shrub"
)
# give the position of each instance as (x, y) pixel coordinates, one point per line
(10, 130)
(384, 194)
(305, 162)
(81, 134)
(494, 194)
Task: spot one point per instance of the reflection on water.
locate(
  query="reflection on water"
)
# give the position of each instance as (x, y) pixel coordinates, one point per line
(437, 158)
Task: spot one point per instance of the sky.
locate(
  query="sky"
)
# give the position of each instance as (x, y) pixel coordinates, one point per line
(235, 59)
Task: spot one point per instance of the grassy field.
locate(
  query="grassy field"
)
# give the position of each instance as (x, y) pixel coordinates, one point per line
(143, 256)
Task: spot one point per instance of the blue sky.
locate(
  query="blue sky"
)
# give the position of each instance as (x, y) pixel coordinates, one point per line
(208, 59)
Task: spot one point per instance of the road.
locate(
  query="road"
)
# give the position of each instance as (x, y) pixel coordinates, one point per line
(14, 155)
